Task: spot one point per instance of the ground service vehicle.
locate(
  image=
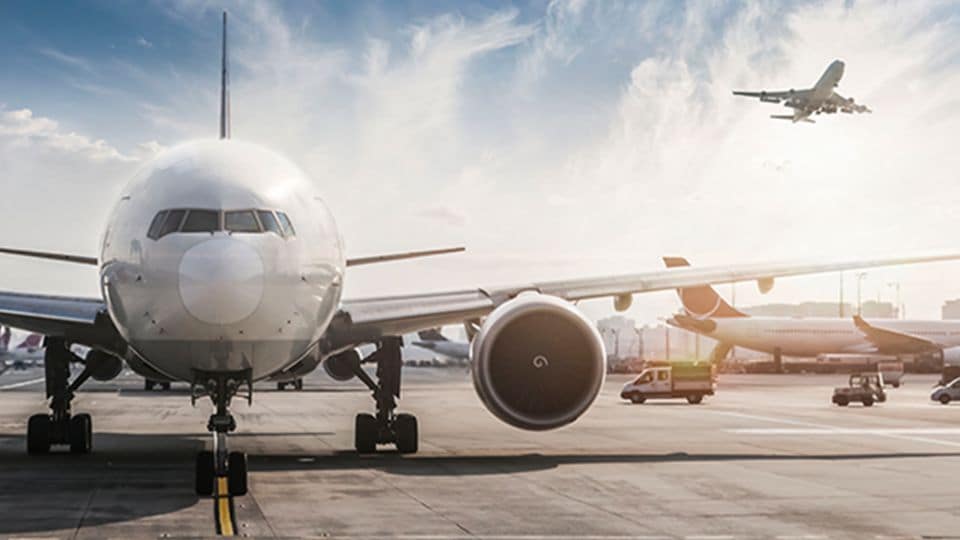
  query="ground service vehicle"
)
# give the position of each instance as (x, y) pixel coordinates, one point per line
(866, 388)
(947, 392)
(690, 380)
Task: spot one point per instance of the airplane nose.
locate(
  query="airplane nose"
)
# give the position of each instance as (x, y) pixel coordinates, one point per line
(221, 280)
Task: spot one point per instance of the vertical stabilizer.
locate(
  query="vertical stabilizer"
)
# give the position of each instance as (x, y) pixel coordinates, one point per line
(702, 302)
(224, 86)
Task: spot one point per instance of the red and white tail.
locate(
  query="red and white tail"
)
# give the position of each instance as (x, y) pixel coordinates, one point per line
(31, 342)
(702, 302)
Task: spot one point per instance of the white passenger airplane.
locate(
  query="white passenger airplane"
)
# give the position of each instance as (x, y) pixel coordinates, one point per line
(819, 99)
(706, 313)
(220, 265)
(435, 341)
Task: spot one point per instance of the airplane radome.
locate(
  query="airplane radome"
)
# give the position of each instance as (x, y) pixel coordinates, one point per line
(220, 266)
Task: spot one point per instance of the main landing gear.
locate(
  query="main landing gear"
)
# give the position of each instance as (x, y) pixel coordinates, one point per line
(220, 462)
(60, 427)
(385, 427)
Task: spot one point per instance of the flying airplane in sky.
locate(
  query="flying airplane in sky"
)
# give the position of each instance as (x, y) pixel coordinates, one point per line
(220, 265)
(819, 99)
(708, 314)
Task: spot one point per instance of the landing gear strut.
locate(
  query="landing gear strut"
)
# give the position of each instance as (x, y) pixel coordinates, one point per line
(221, 462)
(386, 427)
(60, 427)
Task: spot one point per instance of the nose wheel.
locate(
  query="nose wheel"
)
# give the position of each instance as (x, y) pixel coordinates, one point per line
(221, 462)
(386, 426)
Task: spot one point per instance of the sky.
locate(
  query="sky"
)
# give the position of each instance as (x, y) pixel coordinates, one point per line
(552, 139)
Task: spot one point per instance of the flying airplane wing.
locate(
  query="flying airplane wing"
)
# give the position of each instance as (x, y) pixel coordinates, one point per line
(367, 319)
(893, 342)
(775, 97)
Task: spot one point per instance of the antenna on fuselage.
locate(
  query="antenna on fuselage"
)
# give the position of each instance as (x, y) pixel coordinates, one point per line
(224, 86)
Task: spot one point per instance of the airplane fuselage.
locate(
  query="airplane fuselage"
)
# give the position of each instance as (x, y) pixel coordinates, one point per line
(823, 89)
(808, 337)
(231, 288)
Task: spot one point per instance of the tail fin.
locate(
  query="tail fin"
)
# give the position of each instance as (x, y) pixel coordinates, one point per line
(33, 341)
(702, 302)
(5, 339)
(432, 334)
(224, 86)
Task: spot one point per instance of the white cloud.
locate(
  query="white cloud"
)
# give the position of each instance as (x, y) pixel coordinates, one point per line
(144, 42)
(66, 59)
(21, 128)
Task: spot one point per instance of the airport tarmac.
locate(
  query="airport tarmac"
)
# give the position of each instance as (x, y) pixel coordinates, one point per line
(768, 457)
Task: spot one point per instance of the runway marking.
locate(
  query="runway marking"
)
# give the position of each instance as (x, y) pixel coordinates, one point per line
(223, 514)
(826, 429)
(21, 383)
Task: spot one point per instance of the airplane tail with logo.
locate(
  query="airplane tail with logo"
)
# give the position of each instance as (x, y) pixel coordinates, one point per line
(31, 342)
(702, 302)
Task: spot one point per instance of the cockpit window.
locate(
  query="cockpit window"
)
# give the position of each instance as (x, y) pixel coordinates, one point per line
(201, 221)
(287, 226)
(172, 222)
(241, 221)
(269, 222)
(154, 231)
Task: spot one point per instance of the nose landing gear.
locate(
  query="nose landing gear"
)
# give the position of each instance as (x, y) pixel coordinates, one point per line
(386, 427)
(60, 427)
(221, 462)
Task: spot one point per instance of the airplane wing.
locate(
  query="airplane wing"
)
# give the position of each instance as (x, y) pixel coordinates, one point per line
(368, 319)
(777, 96)
(75, 318)
(892, 342)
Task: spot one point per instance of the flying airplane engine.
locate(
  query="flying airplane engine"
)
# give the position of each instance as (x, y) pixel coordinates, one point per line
(103, 366)
(538, 363)
(340, 367)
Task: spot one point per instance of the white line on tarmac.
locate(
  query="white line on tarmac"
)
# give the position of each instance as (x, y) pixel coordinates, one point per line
(833, 430)
(20, 384)
(847, 431)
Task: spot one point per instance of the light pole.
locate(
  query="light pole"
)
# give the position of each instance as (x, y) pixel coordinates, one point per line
(896, 285)
(860, 276)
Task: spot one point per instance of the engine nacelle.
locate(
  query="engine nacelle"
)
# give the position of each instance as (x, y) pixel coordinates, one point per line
(538, 363)
(951, 356)
(340, 367)
(103, 366)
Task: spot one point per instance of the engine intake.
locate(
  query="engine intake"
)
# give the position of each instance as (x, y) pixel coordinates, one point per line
(538, 363)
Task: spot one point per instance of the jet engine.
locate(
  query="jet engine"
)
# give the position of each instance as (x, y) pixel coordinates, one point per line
(538, 363)
(340, 367)
(103, 366)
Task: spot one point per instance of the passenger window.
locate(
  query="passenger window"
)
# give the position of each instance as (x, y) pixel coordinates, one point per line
(285, 222)
(241, 221)
(269, 222)
(172, 222)
(154, 231)
(202, 221)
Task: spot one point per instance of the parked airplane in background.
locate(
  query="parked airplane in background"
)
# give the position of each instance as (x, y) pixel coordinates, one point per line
(220, 265)
(706, 313)
(819, 99)
(25, 354)
(433, 340)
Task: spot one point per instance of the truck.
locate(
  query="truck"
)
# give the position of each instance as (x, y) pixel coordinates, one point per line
(690, 380)
(867, 388)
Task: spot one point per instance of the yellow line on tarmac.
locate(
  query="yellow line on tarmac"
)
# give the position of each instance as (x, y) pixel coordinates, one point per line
(223, 508)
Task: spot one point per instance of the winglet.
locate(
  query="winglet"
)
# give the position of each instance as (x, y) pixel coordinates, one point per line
(224, 85)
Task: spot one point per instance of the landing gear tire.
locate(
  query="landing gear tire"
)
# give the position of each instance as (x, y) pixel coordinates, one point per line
(38, 434)
(365, 433)
(80, 434)
(237, 473)
(408, 433)
(842, 402)
(205, 474)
